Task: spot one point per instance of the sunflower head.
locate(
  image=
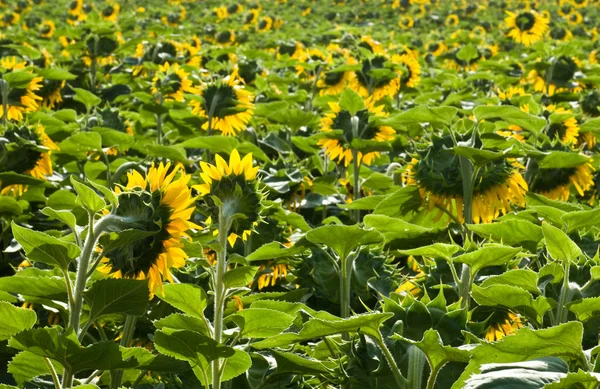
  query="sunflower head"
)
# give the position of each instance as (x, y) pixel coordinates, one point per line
(46, 29)
(379, 77)
(526, 27)
(226, 104)
(590, 104)
(159, 205)
(231, 187)
(111, 12)
(172, 81)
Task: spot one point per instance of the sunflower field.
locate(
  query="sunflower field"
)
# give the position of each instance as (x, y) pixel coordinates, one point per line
(287, 194)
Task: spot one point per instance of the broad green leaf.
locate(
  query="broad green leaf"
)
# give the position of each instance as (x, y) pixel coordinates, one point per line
(351, 101)
(559, 245)
(523, 278)
(579, 220)
(274, 250)
(261, 322)
(64, 348)
(400, 202)
(15, 320)
(57, 74)
(467, 53)
(112, 295)
(64, 216)
(522, 375)
(436, 250)
(489, 255)
(146, 360)
(344, 239)
(437, 354)
(86, 98)
(562, 160)
(510, 232)
(26, 366)
(317, 328)
(175, 153)
(215, 143)
(36, 285)
(239, 276)
(41, 247)
(87, 197)
(79, 144)
(586, 308)
(9, 207)
(188, 298)
(512, 115)
(181, 321)
(572, 379)
(365, 203)
(293, 363)
(292, 308)
(18, 79)
(534, 199)
(400, 233)
(481, 157)
(513, 297)
(421, 114)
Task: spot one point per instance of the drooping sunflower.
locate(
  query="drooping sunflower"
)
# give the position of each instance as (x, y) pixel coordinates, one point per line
(436, 48)
(172, 82)
(411, 70)
(227, 105)
(437, 173)
(338, 119)
(22, 100)
(372, 45)
(251, 17)
(452, 20)
(27, 152)
(556, 183)
(111, 12)
(46, 29)
(558, 78)
(51, 93)
(234, 184)
(265, 24)
(9, 19)
(566, 128)
(406, 22)
(412, 284)
(162, 202)
(378, 85)
(526, 27)
(334, 82)
(510, 92)
(508, 326)
(270, 274)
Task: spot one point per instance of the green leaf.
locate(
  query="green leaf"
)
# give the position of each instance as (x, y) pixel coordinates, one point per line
(36, 283)
(523, 278)
(180, 321)
(175, 153)
(146, 360)
(41, 247)
(344, 239)
(261, 322)
(112, 295)
(215, 143)
(571, 380)
(188, 298)
(86, 98)
(9, 207)
(64, 348)
(467, 53)
(399, 233)
(351, 101)
(293, 363)
(586, 308)
(510, 232)
(562, 160)
(559, 245)
(79, 144)
(317, 328)
(512, 115)
(64, 216)
(87, 197)
(421, 114)
(239, 276)
(26, 366)
(18, 79)
(513, 297)
(365, 203)
(489, 255)
(523, 375)
(580, 220)
(436, 250)
(15, 320)
(57, 74)
(275, 250)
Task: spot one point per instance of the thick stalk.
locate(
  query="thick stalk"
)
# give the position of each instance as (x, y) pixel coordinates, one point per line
(561, 311)
(416, 364)
(128, 329)
(345, 282)
(4, 97)
(219, 289)
(401, 381)
(53, 373)
(432, 378)
(468, 178)
(159, 124)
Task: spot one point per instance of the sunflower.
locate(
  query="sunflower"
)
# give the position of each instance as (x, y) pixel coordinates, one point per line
(234, 184)
(221, 13)
(574, 18)
(452, 20)
(594, 56)
(9, 19)
(561, 34)
(334, 82)
(558, 78)
(438, 175)
(406, 22)
(411, 284)
(227, 104)
(411, 70)
(579, 3)
(251, 17)
(111, 12)
(164, 205)
(51, 93)
(76, 7)
(173, 19)
(270, 274)
(341, 120)
(367, 83)
(436, 49)
(556, 183)
(28, 152)
(47, 29)
(22, 100)
(372, 45)
(265, 24)
(172, 82)
(497, 331)
(526, 27)
(566, 129)
(510, 92)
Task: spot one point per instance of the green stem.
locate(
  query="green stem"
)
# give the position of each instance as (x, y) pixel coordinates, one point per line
(466, 279)
(345, 282)
(356, 166)
(469, 174)
(561, 311)
(128, 329)
(416, 364)
(4, 89)
(53, 373)
(219, 289)
(401, 381)
(159, 127)
(70, 296)
(432, 378)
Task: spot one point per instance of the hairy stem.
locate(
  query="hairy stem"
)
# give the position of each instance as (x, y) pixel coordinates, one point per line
(219, 289)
